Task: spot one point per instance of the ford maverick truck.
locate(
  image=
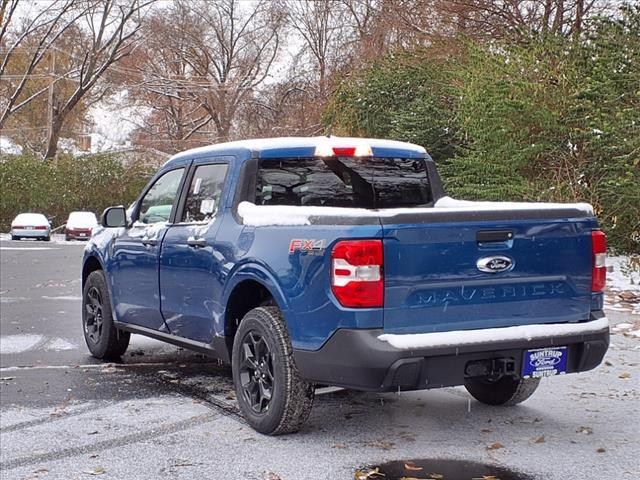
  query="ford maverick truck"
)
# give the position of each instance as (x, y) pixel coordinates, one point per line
(341, 261)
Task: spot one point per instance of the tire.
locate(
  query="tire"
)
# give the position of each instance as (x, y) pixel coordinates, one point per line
(507, 391)
(46, 239)
(273, 397)
(67, 238)
(103, 339)
(13, 237)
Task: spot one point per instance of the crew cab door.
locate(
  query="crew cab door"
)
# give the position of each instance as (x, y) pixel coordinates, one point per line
(191, 262)
(135, 254)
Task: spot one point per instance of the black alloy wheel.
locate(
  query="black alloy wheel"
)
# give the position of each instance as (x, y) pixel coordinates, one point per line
(94, 316)
(103, 339)
(256, 372)
(272, 395)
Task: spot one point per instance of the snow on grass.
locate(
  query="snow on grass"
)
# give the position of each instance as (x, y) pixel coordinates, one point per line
(490, 335)
(617, 280)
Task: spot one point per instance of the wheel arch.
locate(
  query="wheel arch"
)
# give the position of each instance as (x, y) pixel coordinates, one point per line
(252, 286)
(90, 264)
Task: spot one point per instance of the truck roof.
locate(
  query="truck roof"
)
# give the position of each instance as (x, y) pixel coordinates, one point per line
(294, 147)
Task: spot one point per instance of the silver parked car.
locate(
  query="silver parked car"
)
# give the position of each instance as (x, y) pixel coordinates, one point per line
(31, 225)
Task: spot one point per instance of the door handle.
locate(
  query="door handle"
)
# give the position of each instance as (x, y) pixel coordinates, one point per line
(196, 242)
(149, 242)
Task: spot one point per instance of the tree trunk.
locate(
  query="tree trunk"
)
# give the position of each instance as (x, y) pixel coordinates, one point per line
(577, 24)
(54, 136)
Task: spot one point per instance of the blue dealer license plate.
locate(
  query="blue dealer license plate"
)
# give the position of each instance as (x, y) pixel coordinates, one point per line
(544, 362)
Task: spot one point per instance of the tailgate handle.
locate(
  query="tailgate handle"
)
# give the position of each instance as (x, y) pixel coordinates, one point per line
(484, 236)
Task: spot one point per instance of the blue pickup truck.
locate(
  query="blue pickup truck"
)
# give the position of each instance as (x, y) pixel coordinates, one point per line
(341, 261)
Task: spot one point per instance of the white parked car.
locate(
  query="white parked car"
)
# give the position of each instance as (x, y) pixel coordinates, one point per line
(31, 225)
(80, 225)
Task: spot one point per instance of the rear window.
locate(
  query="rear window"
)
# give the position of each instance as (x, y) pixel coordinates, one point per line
(344, 182)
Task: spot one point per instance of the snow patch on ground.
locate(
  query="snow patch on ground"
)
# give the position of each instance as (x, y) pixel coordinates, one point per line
(68, 297)
(59, 344)
(12, 344)
(19, 343)
(7, 147)
(470, 337)
(11, 299)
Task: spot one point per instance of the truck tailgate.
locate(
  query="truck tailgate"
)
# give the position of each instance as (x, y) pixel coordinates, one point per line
(536, 270)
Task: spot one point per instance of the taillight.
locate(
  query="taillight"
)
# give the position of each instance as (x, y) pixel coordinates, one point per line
(599, 259)
(17, 227)
(40, 227)
(357, 279)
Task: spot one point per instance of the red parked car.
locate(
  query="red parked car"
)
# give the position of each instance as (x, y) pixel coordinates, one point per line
(80, 225)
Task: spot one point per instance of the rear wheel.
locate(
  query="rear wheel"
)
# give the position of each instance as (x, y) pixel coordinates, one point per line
(14, 237)
(103, 339)
(270, 391)
(47, 238)
(506, 391)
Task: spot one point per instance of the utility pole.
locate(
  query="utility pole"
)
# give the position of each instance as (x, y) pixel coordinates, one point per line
(52, 76)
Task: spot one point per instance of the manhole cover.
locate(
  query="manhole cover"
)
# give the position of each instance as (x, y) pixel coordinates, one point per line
(437, 469)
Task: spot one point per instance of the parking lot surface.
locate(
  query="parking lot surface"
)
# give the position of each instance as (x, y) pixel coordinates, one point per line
(164, 412)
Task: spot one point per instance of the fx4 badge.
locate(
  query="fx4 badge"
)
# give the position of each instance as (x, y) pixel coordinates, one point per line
(495, 264)
(306, 245)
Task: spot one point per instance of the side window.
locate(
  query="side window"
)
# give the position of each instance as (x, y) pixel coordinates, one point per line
(157, 203)
(203, 197)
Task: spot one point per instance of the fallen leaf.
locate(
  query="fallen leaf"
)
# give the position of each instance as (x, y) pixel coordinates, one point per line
(608, 363)
(486, 477)
(372, 473)
(436, 476)
(495, 446)
(539, 439)
(339, 445)
(624, 375)
(93, 433)
(6, 379)
(601, 450)
(486, 430)
(412, 468)
(96, 471)
(585, 430)
(272, 476)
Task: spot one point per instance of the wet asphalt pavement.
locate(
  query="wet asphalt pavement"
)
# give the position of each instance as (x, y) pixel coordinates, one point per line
(164, 412)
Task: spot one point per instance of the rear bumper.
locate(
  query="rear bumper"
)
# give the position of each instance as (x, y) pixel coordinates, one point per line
(358, 359)
(70, 234)
(30, 233)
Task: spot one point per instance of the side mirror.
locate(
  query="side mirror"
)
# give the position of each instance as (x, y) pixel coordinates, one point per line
(114, 217)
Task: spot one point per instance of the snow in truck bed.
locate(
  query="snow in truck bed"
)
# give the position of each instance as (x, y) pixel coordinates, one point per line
(285, 215)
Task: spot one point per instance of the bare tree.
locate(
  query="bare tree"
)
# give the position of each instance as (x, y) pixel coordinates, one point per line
(160, 79)
(31, 40)
(321, 25)
(209, 69)
(111, 28)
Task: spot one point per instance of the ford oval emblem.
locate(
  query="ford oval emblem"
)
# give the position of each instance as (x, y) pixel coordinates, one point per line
(495, 264)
